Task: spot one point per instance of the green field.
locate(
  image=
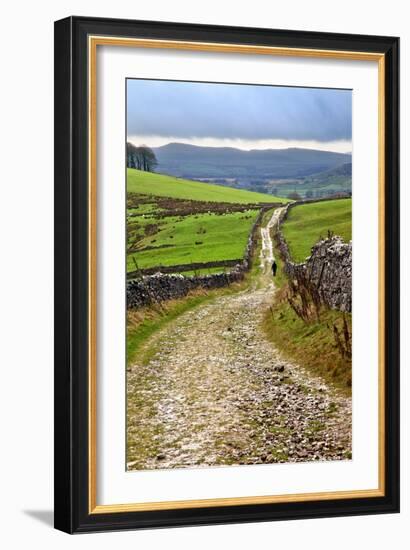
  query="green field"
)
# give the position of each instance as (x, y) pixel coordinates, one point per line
(149, 183)
(308, 222)
(192, 238)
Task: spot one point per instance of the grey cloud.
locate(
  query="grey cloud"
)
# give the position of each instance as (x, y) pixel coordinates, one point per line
(192, 110)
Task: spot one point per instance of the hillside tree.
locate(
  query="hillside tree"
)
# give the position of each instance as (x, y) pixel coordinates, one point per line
(141, 158)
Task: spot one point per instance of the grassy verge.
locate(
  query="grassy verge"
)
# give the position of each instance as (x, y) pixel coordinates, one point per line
(310, 344)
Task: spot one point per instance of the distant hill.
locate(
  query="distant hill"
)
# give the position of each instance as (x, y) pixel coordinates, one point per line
(324, 184)
(344, 170)
(190, 161)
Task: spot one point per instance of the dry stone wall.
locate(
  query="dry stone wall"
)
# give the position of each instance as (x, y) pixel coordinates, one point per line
(328, 268)
(193, 266)
(161, 287)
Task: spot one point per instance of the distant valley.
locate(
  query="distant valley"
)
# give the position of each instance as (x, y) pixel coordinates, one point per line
(280, 172)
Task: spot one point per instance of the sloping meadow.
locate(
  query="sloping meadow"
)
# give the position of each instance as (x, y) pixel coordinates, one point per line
(183, 226)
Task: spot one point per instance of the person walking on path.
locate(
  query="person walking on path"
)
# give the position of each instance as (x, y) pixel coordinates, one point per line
(274, 268)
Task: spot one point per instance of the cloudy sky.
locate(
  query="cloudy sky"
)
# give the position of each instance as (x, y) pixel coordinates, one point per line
(234, 115)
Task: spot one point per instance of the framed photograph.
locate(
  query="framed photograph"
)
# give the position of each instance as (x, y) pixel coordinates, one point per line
(226, 274)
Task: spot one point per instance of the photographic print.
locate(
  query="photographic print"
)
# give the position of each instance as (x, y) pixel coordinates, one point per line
(239, 274)
(211, 360)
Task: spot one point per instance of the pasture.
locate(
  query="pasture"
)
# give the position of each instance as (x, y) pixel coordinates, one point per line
(196, 238)
(150, 183)
(307, 223)
(187, 225)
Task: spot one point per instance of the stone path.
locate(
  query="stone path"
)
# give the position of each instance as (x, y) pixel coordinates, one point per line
(215, 391)
(266, 255)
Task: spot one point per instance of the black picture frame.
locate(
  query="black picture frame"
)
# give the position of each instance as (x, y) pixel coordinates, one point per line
(72, 513)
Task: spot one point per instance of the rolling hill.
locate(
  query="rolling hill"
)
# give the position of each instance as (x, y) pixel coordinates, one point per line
(334, 181)
(149, 183)
(191, 161)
